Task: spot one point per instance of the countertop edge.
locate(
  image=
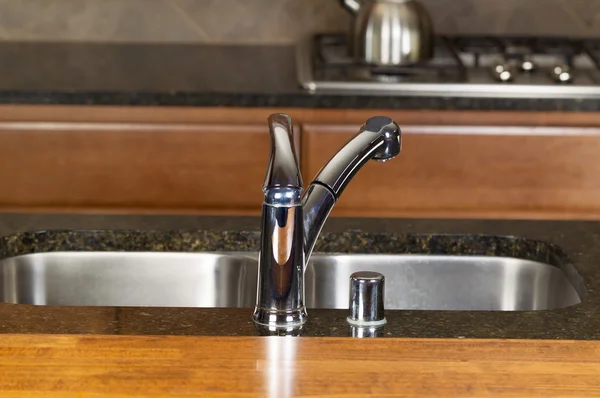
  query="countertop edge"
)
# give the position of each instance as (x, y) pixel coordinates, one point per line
(254, 366)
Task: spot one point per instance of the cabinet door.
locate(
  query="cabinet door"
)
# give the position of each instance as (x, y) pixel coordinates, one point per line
(474, 171)
(132, 167)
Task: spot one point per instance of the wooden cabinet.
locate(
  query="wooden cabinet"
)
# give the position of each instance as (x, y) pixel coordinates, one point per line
(213, 161)
(470, 171)
(132, 167)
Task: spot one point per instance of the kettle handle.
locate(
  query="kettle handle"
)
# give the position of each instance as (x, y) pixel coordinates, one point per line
(351, 5)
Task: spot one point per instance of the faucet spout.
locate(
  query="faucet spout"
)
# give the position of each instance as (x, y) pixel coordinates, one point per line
(291, 221)
(378, 139)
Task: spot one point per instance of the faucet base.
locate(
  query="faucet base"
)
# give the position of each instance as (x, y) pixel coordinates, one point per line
(279, 319)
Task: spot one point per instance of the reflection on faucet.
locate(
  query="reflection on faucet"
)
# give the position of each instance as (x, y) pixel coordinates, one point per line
(363, 332)
(292, 219)
(282, 251)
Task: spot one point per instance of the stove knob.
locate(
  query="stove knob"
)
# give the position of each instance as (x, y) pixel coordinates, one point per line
(562, 74)
(503, 73)
(527, 65)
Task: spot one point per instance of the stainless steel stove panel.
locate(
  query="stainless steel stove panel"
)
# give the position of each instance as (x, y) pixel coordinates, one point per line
(462, 67)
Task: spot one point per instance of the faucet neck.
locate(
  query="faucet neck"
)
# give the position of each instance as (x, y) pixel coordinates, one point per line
(378, 139)
(280, 293)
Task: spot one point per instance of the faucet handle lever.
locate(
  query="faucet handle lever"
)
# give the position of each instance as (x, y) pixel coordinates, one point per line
(283, 170)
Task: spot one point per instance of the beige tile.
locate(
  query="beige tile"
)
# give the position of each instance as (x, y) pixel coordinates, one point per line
(17, 16)
(97, 20)
(541, 17)
(233, 20)
(265, 21)
(323, 16)
(475, 17)
(519, 17)
(272, 21)
(587, 12)
(439, 11)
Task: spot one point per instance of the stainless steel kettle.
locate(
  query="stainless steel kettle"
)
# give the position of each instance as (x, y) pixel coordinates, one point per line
(390, 32)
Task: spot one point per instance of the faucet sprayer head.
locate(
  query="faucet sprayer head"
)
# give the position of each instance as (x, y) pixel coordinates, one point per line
(389, 130)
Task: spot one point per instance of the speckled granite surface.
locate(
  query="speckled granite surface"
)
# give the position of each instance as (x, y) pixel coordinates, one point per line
(199, 75)
(572, 246)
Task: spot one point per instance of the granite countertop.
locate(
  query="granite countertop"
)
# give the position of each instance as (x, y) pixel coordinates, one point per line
(575, 244)
(199, 75)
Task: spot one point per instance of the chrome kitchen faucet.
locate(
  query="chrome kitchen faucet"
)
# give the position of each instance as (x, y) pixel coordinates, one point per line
(292, 219)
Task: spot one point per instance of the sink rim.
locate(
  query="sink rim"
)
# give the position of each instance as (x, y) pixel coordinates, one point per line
(320, 256)
(574, 323)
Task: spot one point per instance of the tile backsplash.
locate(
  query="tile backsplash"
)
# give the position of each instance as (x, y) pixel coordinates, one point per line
(271, 21)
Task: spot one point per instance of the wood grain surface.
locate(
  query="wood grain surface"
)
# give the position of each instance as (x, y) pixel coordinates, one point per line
(124, 166)
(471, 172)
(245, 115)
(195, 160)
(37, 366)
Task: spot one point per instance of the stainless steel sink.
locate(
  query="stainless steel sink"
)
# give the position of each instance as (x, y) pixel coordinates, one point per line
(418, 282)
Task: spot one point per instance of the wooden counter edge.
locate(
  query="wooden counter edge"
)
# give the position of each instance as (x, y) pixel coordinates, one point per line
(117, 366)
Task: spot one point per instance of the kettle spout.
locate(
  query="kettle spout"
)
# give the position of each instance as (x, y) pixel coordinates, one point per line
(351, 5)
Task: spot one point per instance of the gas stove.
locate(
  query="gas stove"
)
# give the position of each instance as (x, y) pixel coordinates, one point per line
(463, 66)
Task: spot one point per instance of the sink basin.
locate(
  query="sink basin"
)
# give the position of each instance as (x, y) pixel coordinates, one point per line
(416, 282)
